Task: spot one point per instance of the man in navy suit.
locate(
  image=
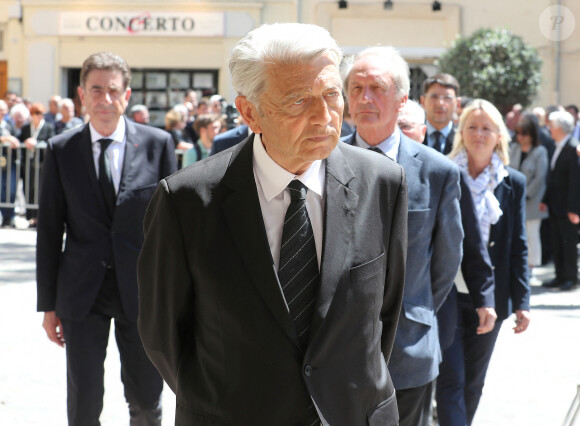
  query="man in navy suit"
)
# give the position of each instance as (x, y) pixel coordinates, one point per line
(99, 202)
(377, 88)
(440, 101)
(230, 138)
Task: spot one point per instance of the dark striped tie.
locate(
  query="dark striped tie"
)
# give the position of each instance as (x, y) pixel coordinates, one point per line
(105, 177)
(298, 271)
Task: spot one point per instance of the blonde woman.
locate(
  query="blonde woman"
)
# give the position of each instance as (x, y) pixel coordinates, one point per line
(480, 148)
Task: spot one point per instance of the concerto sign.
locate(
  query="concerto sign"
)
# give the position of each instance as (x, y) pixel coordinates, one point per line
(204, 24)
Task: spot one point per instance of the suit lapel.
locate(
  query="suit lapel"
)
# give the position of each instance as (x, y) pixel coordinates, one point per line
(244, 218)
(408, 160)
(131, 147)
(86, 148)
(502, 193)
(339, 214)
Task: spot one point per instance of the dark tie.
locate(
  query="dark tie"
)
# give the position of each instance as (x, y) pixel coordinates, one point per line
(298, 271)
(375, 149)
(105, 177)
(437, 138)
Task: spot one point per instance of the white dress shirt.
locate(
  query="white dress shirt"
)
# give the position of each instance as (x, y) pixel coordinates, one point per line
(389, 146)
(271, 181)
(115, 152)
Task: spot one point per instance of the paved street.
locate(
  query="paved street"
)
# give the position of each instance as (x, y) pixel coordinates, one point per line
(531, 381)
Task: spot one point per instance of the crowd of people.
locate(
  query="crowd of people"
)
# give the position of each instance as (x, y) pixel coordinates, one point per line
(422, 229)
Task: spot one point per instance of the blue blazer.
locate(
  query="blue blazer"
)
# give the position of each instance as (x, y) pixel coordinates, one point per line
(508, 247)
(433, 257)
(230, 138)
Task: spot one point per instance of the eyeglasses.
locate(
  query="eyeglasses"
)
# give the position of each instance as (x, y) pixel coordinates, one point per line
(522, 132)
(445, 98)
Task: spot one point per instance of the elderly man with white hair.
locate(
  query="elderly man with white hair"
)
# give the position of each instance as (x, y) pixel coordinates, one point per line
(562, 200)
(411, 121)
(271, 276)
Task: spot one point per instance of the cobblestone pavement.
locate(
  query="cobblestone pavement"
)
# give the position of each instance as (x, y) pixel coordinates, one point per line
(532, 379)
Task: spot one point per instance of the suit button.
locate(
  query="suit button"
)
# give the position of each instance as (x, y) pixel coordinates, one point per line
(308, 370)
(104, 264)
(492, 243)
(493, 268)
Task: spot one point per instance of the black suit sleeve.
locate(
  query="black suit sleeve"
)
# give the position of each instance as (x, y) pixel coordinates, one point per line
(165, 294)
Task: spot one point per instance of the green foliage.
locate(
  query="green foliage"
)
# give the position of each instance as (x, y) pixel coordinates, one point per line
(496, 65)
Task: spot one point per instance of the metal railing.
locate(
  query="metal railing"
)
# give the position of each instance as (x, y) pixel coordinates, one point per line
(25, 166)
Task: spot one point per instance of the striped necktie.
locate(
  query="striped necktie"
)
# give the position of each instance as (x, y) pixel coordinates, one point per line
(298, 271)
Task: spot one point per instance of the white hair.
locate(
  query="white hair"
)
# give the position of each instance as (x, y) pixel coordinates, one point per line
(563, 120)
(413, 112)
(20, 109)
(288, 43)
(398, 67)
(68, 102)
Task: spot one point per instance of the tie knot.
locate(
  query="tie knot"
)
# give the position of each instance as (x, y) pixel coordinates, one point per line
(436, 135)
(105, 144)
(297, 190)
(375, 149)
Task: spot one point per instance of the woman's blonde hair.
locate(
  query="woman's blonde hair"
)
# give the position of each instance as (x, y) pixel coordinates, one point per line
(502, 147)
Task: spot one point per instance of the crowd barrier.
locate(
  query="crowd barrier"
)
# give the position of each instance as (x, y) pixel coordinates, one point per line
(24, 167)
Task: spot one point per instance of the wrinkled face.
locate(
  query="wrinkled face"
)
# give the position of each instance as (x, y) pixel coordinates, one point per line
(19, 119)
(373, 98)
(480, 135)
(53, 104)
(300, 112)
(440, 103)
(142, 116)
(411, 129)
(105, 99)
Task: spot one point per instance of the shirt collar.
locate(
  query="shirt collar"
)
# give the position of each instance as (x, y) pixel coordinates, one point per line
(274, 178)
(563, 141)
(389, 146)
(444, 131)
(117, 136)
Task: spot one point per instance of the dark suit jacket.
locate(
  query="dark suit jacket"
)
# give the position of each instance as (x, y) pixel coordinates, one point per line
(563, 191)
(46, 132)
(508, 247)
(435, 237)
(213, 319)
(69, 280)
(228, 139)
(475, 267)
(448, 141)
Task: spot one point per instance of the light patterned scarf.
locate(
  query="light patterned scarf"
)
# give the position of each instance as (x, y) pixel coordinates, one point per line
(486, 205)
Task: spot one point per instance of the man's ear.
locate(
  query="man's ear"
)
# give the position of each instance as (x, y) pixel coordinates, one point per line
(422, 101)
(249, 112)
(402, 104)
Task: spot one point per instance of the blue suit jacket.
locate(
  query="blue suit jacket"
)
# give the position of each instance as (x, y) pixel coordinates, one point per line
(433, 257)
(228, 139)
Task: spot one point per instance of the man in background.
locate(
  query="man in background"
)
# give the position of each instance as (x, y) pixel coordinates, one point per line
(377, 88)
(440, 100)
(139, 114)
(96, 185)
